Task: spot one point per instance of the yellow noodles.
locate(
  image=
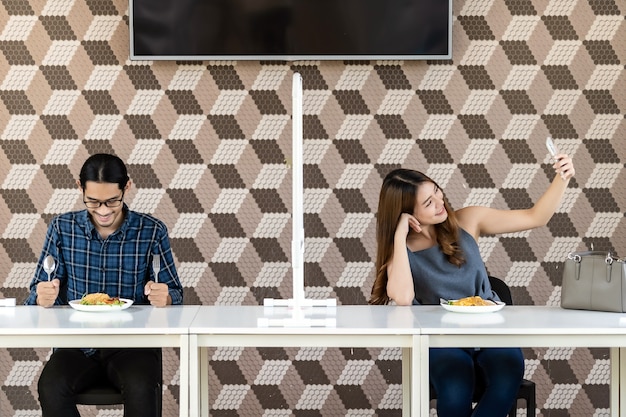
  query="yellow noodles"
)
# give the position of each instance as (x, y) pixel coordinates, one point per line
(472, 301)
(99, 298)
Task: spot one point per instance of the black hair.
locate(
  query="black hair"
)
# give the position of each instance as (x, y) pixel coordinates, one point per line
(103, 167)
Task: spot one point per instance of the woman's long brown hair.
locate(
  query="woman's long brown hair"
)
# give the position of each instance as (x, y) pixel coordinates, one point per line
(398, 195)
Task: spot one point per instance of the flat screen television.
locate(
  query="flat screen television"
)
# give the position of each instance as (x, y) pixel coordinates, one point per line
(290, 30)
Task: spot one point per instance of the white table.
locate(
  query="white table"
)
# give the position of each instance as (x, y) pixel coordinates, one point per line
(137, 326)
(356, 326)
(414, 329)
(526, 326)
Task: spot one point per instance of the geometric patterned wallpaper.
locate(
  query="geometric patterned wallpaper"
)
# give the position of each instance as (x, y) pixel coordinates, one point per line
(208, 145)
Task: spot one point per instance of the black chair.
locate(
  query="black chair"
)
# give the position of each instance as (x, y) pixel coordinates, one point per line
(101, 394)
(106, 394)
(527, 389)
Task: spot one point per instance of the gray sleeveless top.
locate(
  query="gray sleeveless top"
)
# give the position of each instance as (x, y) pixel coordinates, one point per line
(434, 277)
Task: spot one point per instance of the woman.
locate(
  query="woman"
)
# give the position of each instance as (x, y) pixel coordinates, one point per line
(427, 251)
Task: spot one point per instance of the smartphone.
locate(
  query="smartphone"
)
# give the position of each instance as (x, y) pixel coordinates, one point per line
(551, 147)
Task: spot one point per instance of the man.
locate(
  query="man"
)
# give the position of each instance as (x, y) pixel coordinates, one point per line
(105, 248)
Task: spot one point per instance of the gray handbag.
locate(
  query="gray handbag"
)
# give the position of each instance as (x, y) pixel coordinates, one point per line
(594, 281)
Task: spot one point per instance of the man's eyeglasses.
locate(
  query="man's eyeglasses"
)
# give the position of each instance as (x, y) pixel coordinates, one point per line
(92, 204)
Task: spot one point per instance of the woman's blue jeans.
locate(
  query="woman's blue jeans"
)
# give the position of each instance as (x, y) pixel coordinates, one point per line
(455, 372)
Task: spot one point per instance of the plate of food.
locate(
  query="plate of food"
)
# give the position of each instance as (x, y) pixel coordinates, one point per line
(100, 302)
(474, 304)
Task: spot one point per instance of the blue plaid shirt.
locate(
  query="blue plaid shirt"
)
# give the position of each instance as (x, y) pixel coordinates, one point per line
(119, 265)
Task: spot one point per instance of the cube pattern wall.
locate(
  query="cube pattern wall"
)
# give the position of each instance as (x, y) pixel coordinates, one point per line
(208, 145)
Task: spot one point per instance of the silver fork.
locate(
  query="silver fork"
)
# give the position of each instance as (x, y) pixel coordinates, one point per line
(156, 267)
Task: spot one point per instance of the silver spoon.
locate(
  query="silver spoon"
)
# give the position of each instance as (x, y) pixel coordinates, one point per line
(49, 265)
(156, 267)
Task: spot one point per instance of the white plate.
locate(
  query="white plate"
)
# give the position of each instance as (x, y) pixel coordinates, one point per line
(473, 309)
(75, 304)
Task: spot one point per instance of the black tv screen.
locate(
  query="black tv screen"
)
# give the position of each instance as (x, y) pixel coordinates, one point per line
(290, 30)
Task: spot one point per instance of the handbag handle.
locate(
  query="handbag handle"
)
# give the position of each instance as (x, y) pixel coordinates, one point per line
(577, 257)
(609, 259)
